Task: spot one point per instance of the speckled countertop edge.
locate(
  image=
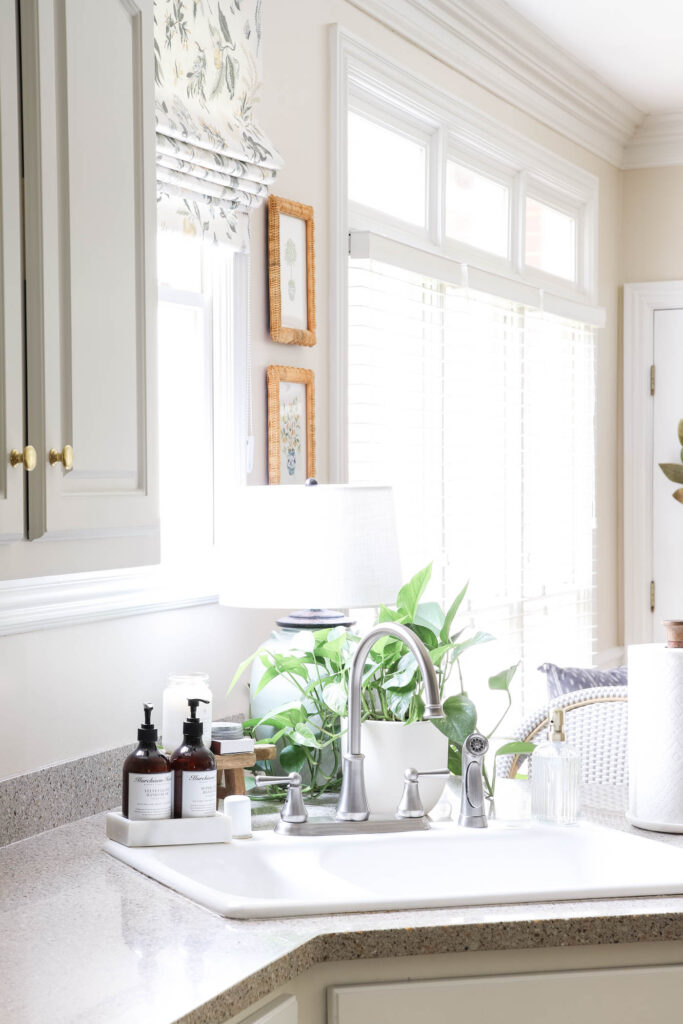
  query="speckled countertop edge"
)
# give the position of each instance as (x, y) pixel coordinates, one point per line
(367, 943)
(117, 938)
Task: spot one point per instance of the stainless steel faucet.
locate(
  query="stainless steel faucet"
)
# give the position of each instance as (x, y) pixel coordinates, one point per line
(353, 802)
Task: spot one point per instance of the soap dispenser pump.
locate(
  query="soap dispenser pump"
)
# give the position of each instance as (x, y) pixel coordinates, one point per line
(556, 776)
(194, 768)
(147, 791)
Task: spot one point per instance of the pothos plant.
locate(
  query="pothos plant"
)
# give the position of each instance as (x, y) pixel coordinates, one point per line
(318, 665)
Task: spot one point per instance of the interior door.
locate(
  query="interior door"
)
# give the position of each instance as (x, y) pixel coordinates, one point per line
(88, 72)
(12, 482)
(667, 513)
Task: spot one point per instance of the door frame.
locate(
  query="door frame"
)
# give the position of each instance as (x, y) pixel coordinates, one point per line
(641, 301)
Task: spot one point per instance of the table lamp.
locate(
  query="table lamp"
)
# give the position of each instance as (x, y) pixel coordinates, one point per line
(321, 549)
(314, 547)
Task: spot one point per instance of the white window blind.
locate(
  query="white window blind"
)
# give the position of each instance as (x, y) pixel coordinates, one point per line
(480, 413)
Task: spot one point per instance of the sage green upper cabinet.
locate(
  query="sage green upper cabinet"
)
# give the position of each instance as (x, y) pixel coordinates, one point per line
(12, 484)
(90, 238)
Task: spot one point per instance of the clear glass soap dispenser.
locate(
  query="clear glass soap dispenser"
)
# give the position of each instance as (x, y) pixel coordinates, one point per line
(556, 777)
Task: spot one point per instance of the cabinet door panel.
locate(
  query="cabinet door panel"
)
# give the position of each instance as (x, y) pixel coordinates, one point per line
(91, 384)
(629, 995)
(12, 483)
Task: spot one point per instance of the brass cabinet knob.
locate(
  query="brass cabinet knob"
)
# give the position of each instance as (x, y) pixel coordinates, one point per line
(27, 458)
(66, 456)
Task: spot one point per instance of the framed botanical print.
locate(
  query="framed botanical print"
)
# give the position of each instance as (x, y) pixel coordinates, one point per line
(291, 424)
(291, 272)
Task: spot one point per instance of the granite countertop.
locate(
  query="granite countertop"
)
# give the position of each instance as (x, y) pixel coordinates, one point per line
(86, 938)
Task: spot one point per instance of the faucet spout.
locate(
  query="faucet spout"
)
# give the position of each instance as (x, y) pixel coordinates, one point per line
(353, 803)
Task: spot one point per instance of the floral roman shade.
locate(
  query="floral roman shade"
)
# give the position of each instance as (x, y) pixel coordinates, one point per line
(214, 164)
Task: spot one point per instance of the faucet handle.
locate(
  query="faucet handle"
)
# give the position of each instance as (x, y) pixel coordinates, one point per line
(472, 805)
(410, 805)
(294, 809)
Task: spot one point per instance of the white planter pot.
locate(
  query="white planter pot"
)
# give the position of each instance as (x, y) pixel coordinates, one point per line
(390, 748)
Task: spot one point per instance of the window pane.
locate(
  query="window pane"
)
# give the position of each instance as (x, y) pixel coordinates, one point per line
(550, 240)
(387, 170)
(477, 209)
(179, 261)
(185, 431)
(461, 402)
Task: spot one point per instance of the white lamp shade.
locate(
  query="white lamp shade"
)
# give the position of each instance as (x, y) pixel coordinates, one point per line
(323, 546)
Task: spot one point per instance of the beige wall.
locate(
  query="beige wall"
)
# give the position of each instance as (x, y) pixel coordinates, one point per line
(652, 230)
(78, 690)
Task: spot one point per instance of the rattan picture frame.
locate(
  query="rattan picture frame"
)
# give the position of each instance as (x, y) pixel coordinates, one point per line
(281, 274)
(276, 376)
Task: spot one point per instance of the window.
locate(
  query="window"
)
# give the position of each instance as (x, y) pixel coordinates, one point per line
(479, 412)
(387, 170)
(477, 210)
(550, 240)
(199, 423)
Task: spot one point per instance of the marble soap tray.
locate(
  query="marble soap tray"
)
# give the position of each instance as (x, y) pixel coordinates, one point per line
(168, 831)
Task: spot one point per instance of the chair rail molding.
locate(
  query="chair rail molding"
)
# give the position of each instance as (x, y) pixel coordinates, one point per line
(499, 49)
(29, 605)
(640, 302)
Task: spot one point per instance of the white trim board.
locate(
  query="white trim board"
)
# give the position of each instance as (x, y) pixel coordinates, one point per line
(29, 605)
(640, 303)
(496, 47)
(657, 142)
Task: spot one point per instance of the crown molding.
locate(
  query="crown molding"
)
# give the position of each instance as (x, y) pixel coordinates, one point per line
(499, 49)
(657, 142)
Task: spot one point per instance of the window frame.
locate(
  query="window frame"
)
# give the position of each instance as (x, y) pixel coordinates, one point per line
(75, 598)
(361, 74)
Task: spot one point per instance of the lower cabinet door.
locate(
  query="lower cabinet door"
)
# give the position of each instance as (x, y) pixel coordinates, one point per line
(282, 1010)
(629, 995)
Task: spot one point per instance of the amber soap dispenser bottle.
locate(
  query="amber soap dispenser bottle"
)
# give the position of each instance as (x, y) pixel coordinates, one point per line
(194, 769)
(147, 777)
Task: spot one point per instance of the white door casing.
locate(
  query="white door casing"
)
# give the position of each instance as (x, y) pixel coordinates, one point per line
(653, 521)
(89, 144)
(12, 482)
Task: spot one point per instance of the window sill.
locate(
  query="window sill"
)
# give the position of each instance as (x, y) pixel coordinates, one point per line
(45, 603)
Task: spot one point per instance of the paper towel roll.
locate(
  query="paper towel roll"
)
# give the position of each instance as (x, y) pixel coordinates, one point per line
(655, 737)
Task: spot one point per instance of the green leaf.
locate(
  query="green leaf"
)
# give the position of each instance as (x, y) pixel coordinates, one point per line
(430, 615)
(502, 680)
(335, 697)
(292, 758)
(455, 760)
(678, 495)
(241, 667)
(409, 595)
(516, 747)
(451, 613)
(399, 701)
(680, 431)
(389, 615)
(459, 648)
(417, 710)
(460, 720)
(672, 471)
(304, 736)
(426, 635)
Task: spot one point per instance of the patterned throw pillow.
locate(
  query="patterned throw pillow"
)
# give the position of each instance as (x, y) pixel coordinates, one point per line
(566, 680)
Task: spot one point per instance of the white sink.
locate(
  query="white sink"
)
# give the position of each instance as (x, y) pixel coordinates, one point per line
(281, 876)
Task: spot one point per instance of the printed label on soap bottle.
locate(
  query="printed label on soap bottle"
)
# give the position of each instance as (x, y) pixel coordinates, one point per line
(199, 794)
(150, 796)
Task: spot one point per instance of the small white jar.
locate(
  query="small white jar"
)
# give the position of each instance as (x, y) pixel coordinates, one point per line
(174, 709)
